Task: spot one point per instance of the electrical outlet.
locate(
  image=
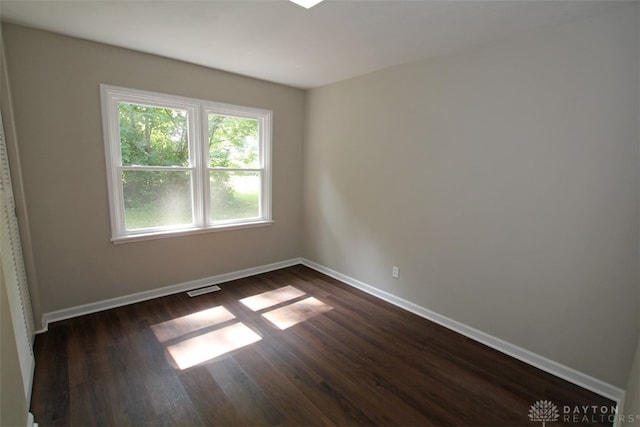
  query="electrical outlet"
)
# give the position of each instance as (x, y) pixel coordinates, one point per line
(395, 272)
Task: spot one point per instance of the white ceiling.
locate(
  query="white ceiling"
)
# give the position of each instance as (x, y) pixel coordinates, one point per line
(280, 41)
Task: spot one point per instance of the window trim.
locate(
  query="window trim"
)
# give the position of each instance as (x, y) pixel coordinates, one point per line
(197, 111)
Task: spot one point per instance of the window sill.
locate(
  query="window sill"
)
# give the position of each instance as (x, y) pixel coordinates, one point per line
(188, 231)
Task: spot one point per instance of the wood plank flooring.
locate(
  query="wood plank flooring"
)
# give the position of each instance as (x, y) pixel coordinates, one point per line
(341, 357)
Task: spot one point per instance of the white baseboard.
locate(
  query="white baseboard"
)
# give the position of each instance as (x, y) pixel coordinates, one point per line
(94, 307)
(30, 420)
(583, 380)
(617, 422)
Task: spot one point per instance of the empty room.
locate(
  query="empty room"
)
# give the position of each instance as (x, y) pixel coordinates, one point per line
(337, 213)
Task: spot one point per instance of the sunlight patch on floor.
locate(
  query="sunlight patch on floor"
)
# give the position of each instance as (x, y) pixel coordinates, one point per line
(271, 298)
(202, 336)
(180, 326)
(202, 348)
(292, 314)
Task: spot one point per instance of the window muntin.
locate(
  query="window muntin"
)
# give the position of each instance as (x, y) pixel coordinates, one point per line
(179, 165)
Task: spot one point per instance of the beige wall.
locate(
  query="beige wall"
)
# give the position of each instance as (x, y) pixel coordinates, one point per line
(502, 180)
(55, 85)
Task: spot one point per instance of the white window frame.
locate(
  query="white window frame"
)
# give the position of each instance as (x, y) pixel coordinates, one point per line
(198, 111)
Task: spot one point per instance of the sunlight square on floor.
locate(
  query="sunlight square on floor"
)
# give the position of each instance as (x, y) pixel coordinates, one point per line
(202, 348)
(271, 298)
(292, 314)
(180, 326)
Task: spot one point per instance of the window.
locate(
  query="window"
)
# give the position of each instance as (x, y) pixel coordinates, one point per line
(181, 165)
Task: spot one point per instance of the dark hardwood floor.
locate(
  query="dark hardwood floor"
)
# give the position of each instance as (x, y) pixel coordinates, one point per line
(341, 358)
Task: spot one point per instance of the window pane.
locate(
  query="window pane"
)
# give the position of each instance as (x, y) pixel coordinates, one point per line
(153, 136)
(233, 142)
(234, 195)
(156, 198)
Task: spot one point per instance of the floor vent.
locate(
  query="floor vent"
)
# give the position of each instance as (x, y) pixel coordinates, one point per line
(202, 291)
